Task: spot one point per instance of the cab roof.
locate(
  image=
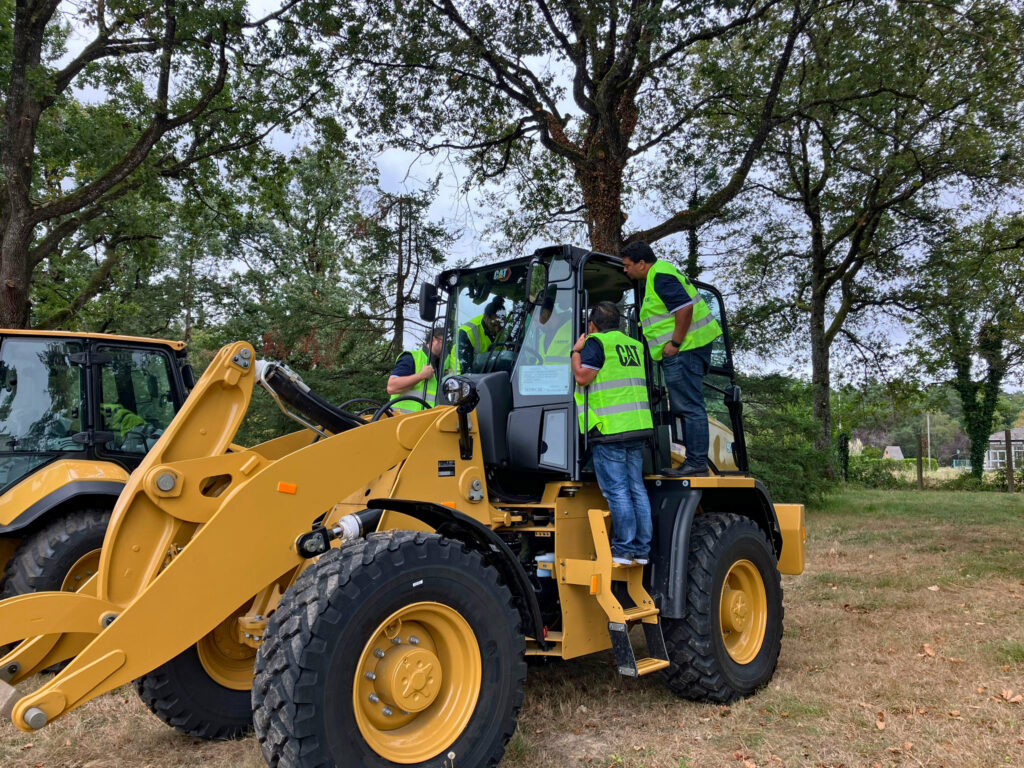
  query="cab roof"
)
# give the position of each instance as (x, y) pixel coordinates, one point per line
(175, 345)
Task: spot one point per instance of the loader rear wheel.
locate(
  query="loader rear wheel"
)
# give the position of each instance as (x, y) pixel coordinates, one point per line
(403, 648)
(728, 644)
(61, 556)
(184, 695)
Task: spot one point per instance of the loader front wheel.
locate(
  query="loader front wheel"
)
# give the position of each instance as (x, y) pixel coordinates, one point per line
(728, 644)
(403, 648)
(184, 695)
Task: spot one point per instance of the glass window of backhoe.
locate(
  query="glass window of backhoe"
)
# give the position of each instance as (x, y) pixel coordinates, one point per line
(486, 320)
(40, 396)
(542, 367)
(719, 353)
(136, 398)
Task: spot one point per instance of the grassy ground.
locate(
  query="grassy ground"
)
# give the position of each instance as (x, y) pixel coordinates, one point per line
(904, 646)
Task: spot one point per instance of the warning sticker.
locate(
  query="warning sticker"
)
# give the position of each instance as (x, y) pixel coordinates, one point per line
(446, 469)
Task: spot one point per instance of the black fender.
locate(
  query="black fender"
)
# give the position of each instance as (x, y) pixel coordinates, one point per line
(107, 490)
(674, 505)
(456, 525)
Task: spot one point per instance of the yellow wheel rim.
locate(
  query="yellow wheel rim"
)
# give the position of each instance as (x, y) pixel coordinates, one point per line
(83, 570)
(743, 611)
(417, 683)
(226, 660)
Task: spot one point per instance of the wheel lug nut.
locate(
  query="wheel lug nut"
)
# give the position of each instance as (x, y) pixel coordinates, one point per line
(379, 653)
(374, 698)
(370, 676)
(413, 640)
(387, 712)
(396, 640)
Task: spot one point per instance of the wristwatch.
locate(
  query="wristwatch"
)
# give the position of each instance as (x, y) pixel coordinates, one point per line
(674, 343)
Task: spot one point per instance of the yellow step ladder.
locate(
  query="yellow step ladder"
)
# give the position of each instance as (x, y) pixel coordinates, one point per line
(599, 575)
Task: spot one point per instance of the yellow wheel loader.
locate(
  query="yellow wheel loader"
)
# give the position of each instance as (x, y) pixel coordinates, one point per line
(374, 584)
(78, 411)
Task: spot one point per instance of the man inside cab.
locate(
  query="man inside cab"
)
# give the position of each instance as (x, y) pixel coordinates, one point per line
(615, 414)
(414, 373)
(476, 336)
(679, 329)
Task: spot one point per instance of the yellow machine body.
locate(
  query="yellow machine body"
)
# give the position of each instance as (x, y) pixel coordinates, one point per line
(203, 517)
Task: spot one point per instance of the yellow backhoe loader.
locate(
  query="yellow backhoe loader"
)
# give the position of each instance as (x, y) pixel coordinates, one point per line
(366, 590)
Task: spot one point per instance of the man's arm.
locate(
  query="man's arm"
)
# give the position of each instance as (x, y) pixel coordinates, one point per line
(404, 376)
(587, 357)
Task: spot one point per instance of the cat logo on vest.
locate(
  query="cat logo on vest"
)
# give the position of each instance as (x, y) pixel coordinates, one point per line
(628, 356)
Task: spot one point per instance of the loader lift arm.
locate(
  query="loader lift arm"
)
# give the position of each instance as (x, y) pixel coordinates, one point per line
(188, 518)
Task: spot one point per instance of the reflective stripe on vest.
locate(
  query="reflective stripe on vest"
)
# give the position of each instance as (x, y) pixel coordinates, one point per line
(658, 323)
(425, 389)
(617, 397)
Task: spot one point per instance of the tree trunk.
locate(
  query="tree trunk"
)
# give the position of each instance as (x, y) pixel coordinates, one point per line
(601, 183)
(821, 383)
(692, 253)
(404, 241)
(15, 240)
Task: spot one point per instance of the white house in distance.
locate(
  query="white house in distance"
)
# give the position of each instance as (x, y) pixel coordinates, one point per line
(995, 456)
(893, 452)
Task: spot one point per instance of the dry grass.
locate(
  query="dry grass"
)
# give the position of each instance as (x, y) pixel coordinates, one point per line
(910, 616)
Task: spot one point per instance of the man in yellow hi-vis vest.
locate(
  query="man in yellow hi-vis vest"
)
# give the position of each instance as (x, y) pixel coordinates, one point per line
(679, 328)
(414, 373)
(615, 413)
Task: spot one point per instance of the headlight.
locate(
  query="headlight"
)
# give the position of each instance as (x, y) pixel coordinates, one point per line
(453, 390)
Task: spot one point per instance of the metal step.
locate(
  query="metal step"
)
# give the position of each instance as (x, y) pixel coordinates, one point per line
(625, 657)
(646, 666)
(637, 613)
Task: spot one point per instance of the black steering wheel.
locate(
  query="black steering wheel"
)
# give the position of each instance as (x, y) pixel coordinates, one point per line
(374, 405)
(387, 406)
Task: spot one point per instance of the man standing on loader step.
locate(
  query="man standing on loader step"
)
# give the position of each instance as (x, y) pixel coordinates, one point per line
(414, 373)
(616, 414)
(679, 328)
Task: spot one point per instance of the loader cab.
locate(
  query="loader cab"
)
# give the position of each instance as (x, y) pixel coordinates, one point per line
(84, 397)
(509, 329)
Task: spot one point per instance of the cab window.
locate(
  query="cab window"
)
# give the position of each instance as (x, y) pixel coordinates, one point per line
(136, 398)
(40, 396)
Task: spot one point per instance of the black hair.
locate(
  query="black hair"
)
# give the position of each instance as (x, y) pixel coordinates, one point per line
(437, 332)
(639, 251)
(606, 316)
(494, 306)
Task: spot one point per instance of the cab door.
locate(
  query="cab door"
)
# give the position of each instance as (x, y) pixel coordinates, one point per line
(134, 400)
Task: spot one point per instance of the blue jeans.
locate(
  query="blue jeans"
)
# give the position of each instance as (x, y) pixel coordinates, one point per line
(684, 377)
(620, 475)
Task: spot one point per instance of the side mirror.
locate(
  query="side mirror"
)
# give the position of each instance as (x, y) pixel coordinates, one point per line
(428, 302)
(536, 282)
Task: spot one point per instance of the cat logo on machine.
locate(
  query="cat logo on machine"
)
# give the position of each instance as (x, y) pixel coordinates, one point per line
(502, 275)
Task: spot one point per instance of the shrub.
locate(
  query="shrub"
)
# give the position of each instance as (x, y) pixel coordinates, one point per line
(876, 472)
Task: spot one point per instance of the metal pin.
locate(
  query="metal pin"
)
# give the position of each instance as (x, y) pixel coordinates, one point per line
(36, 718)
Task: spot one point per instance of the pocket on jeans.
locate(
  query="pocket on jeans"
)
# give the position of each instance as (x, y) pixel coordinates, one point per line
(672, 367)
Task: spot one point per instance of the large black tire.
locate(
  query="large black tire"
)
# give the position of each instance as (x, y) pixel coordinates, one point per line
(44, 558)
(701, 667)
(307, 666)
(183, 695)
